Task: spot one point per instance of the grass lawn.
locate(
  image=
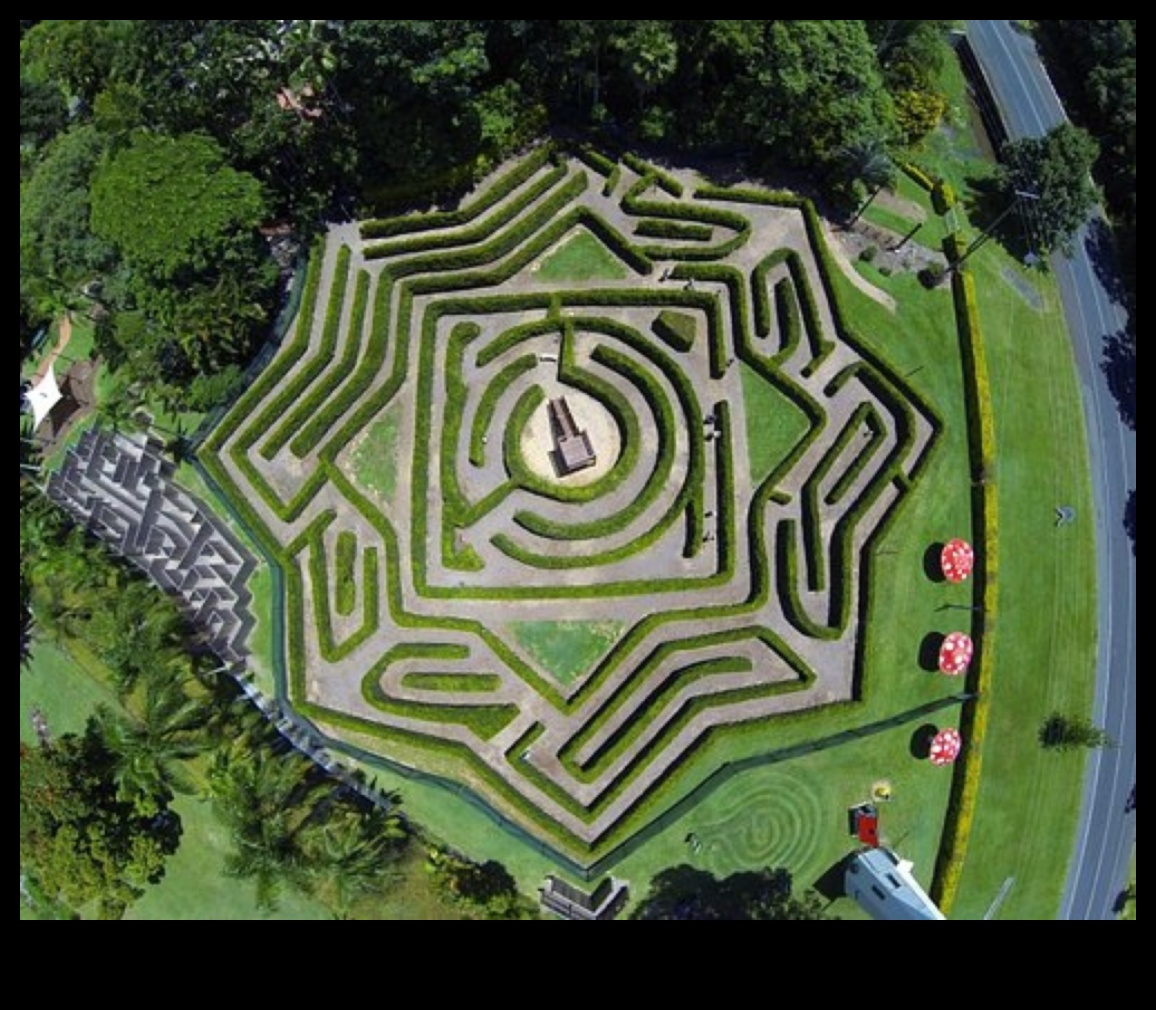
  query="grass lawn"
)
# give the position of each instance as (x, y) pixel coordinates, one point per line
(567, 650)
(67, 692)
(582, 257)
(375, 458)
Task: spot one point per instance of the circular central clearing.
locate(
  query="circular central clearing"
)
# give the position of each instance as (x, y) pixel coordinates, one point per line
(591, 416)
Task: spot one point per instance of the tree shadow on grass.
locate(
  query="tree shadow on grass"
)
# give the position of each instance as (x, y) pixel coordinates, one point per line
(921, 741)
(933, 563)
(929, 652)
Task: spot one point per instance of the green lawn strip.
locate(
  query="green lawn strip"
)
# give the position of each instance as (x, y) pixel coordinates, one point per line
(195, 886)
(345, 575)
(375, 462)
(900, 225)
(567, 650)
(1044, 657)
(580, 258)
(1023, 346)
(66, 685)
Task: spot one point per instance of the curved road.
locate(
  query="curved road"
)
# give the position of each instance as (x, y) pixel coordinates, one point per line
(1096, 319)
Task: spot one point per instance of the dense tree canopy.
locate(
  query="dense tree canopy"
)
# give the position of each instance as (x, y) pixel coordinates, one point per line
(58, 250)
(1056, 172)
(1094, 65)
(175, 208)
(81, 842)
(199, 284)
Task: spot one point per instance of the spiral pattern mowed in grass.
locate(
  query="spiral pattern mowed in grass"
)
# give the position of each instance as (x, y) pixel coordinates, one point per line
(777, 823)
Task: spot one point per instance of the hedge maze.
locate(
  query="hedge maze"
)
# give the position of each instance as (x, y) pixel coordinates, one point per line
(563, 642)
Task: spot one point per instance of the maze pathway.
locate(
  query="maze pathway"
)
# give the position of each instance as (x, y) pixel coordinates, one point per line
(562, 640)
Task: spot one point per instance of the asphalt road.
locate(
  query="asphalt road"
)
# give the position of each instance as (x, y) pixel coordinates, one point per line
(1096, 320)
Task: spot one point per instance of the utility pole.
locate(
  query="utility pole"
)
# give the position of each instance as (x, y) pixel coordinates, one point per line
(1020, 194)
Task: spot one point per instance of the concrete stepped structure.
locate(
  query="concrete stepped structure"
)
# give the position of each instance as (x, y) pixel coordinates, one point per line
(121, 489)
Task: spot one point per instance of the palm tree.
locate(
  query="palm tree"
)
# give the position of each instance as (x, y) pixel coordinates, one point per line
(151, 751)
(265, 799)
(866, 162)
(354, 854)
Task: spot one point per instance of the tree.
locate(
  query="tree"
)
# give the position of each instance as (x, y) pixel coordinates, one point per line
(79, 56)
(81, 843)
(355, 855)
(1057, 169)
(484, 889)
(685, 893)
(27, 619)
(43, 112)
(265, 798)
(199, 283)
(1065, 733)
(864, 164)
(135, 628)
(176, 209)
(649, 52)
(410, 85)
(59, 253)
(825, 91)
(150, 751)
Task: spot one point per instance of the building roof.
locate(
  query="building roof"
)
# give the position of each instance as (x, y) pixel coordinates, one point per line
(570, 902)
(883, 885)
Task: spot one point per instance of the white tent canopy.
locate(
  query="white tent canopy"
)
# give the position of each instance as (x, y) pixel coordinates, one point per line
(44, 396)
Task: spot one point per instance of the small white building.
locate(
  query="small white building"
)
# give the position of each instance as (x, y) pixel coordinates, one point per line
(884, 886)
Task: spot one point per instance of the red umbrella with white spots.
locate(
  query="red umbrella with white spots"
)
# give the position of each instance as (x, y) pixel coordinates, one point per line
(946, 747)
(957, 561)
(956, 654)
